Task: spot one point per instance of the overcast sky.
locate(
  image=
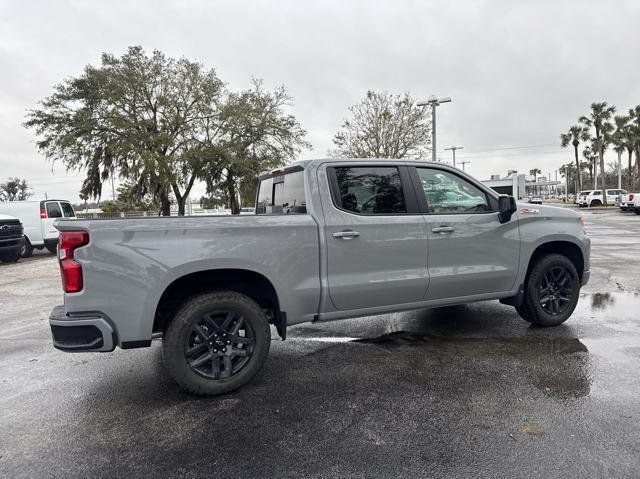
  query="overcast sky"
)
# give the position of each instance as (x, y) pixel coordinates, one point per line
(519, 73)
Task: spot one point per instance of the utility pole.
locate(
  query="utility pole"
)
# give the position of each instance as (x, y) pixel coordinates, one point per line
(433, 102)
(453, 150)
(464, 163)
(620, 169)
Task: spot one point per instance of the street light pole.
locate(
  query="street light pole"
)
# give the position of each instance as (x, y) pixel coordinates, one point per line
(433, 102)
(453, 150)
(464, 163)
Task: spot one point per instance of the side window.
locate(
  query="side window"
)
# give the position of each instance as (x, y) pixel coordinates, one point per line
(369, 190)
(288, 194)
(53, 210)
(67, 209)
(596, 193)
(447, 193)
(283, 194)
(265, 196)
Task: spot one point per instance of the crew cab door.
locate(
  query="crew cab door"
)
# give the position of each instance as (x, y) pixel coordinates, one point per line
(470, 251)
(376, 241)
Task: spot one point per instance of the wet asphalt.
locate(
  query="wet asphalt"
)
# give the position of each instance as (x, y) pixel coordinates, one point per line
(467, 391)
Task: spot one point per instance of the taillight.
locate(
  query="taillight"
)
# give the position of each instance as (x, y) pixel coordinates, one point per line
(630, 197)
(43, 214)
(71, 270)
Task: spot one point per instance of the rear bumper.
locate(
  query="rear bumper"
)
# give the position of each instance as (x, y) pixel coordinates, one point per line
(82, 333)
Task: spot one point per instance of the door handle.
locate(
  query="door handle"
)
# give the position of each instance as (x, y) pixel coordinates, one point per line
(346, 235)
(443, 229)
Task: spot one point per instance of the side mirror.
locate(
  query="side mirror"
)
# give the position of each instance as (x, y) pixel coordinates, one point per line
(506, 207)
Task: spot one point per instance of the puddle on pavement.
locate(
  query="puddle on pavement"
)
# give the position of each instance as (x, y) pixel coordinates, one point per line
(619, 304)
(558, 361)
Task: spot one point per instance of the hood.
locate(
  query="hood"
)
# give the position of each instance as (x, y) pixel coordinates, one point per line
(7, 217)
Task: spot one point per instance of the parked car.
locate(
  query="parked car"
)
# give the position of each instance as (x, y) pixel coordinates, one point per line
(332, 239)
(596, 198)
(38, 219)
(11, 239)
(581, 198)
(536, 200)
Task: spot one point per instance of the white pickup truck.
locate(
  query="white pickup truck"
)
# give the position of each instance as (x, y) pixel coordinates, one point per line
(630, 202)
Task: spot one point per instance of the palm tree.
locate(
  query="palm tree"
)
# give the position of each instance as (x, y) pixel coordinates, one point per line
(599, 118)
(535, 172)
(590, 163)
(574, 136)
(619, 140)
(571, 175)
(633, 143)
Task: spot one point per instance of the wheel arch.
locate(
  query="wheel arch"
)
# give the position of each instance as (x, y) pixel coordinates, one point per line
(251, 283)
(563, 247)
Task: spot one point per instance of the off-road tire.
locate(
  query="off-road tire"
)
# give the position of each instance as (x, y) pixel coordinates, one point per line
(190, 314)
(531, 309)
(27, 248)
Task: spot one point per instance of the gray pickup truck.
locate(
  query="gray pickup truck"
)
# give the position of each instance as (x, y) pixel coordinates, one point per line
(331, 239)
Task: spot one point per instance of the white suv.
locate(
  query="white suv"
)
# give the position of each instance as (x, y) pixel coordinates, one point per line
(595, 197)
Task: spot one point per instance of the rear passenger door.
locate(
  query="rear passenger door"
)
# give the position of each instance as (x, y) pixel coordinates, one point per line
(470, 251)
(376, 241)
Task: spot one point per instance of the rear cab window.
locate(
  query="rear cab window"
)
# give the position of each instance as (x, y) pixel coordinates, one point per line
(282, 193)
(67, 210)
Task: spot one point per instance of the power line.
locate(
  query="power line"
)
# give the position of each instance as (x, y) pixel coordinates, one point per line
(477, 150)
(527, 154)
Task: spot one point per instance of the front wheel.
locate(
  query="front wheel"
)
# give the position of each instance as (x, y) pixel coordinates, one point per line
(216, 343)
(551, 291)
(27, 248)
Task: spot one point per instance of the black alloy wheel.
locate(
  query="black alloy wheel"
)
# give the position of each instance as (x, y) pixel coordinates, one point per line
(216, 342)
(551, 291)
(219, 345)
(555, 290)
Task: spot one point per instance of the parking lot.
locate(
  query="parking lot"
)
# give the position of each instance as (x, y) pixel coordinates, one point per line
(466, 391)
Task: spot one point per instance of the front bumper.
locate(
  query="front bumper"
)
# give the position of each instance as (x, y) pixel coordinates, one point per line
(11, 242)
(80, 333)
(585, 277)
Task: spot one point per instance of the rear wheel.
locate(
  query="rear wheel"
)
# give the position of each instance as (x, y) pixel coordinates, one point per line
(216, 343)
(636, 211)
(551, 291)
(52, 248)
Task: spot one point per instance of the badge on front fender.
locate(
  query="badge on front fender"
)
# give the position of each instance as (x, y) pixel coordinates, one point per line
(529, 211)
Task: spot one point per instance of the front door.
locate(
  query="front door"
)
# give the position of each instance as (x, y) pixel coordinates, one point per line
(470, 251)
(375, 236)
